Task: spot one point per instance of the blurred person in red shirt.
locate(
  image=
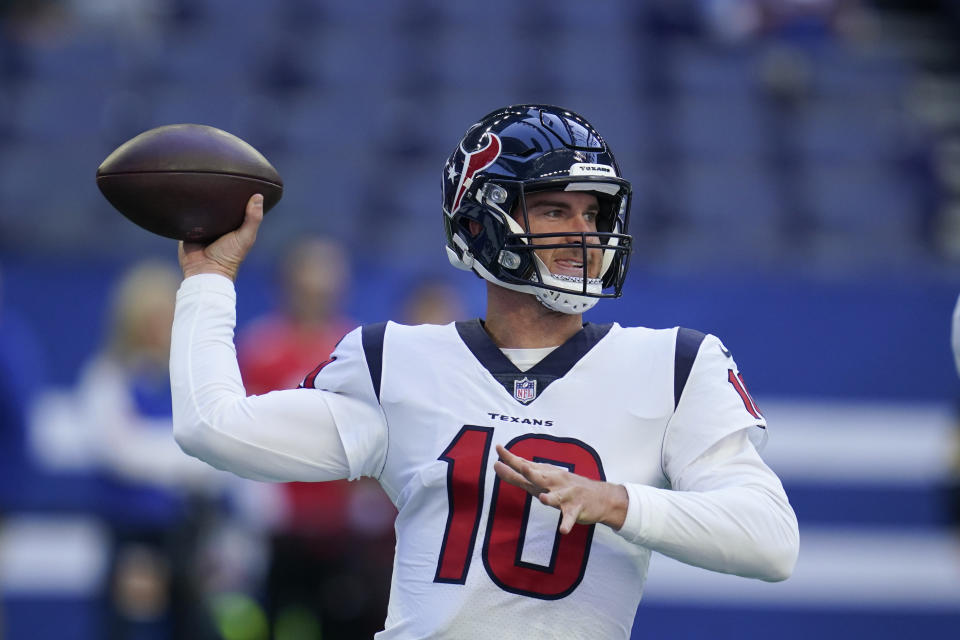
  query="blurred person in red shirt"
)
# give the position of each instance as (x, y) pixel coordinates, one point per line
(332, 549)
(278, 349)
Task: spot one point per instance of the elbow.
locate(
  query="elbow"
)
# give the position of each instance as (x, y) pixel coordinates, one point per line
(188, 435)
(781, 542)
(185, 437)
(187, 423)
(779, 565)
(781, 557)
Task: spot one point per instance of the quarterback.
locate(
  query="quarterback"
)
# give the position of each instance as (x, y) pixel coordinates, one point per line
(535, 460)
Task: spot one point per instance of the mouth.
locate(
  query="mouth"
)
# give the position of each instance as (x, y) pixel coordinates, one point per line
(568, 267)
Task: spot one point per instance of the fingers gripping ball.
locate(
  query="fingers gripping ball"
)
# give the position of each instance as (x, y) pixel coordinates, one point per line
(187, 181)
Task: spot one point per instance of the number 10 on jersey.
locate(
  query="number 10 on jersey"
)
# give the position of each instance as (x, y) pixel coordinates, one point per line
(467, 458)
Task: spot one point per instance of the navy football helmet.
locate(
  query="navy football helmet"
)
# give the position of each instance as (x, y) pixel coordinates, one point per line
(509, 154)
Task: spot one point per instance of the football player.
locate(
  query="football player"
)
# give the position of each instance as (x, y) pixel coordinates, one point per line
(536, 460)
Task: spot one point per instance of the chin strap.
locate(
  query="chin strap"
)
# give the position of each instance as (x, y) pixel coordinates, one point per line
(566, 301)
(563, 302)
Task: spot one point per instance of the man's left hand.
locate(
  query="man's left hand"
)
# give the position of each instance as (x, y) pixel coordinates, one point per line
(579, 499)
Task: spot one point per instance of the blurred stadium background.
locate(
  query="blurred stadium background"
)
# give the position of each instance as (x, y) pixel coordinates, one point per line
(797, 175)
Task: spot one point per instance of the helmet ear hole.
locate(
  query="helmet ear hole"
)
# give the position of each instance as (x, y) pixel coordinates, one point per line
(473, 228)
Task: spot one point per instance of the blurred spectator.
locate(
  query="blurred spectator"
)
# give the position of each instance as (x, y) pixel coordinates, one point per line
(125, 390)
(797, 21)
(156, 500)
(433, 302)
(136, 22)
(732, 21)
(804, 20)
(277, 350)
(332, 551)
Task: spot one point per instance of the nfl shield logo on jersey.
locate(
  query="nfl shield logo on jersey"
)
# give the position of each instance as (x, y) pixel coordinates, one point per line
(525, 390)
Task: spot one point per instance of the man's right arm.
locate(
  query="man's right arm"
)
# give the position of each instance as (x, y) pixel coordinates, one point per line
(280, 436)
(289, 435)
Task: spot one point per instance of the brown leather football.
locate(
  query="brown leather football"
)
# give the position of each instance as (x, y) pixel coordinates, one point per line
(187, 181)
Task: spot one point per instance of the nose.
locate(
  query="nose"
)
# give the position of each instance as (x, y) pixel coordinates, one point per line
(581, 223)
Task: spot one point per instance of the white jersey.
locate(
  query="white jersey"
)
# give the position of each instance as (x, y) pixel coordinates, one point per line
(663, 412)
(599, 405)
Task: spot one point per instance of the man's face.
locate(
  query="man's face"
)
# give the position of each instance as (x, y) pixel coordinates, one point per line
(561, 212)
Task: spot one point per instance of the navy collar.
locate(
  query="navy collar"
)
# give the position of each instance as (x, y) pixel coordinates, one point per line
(525, 387)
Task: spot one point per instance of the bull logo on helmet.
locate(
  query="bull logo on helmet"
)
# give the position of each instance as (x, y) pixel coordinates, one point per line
(474, 161)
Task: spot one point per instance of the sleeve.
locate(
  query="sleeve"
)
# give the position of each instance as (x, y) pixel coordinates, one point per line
(289, 435)
(353, 371)
(727, 512)
(713, 404)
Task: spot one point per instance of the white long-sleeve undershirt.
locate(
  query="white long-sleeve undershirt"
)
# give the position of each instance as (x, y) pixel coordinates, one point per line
(726, 511)
(280, 436)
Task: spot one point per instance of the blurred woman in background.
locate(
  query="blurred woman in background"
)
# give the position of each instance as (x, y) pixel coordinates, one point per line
(156, 501)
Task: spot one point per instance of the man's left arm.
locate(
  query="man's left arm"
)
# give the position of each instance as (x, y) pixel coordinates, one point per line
(727, 511)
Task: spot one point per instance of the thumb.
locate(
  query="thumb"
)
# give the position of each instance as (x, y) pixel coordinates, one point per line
(568, 518)
(247, 233)
(225, 254)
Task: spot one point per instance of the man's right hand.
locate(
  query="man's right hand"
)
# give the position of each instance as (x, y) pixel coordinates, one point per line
(225, 254)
